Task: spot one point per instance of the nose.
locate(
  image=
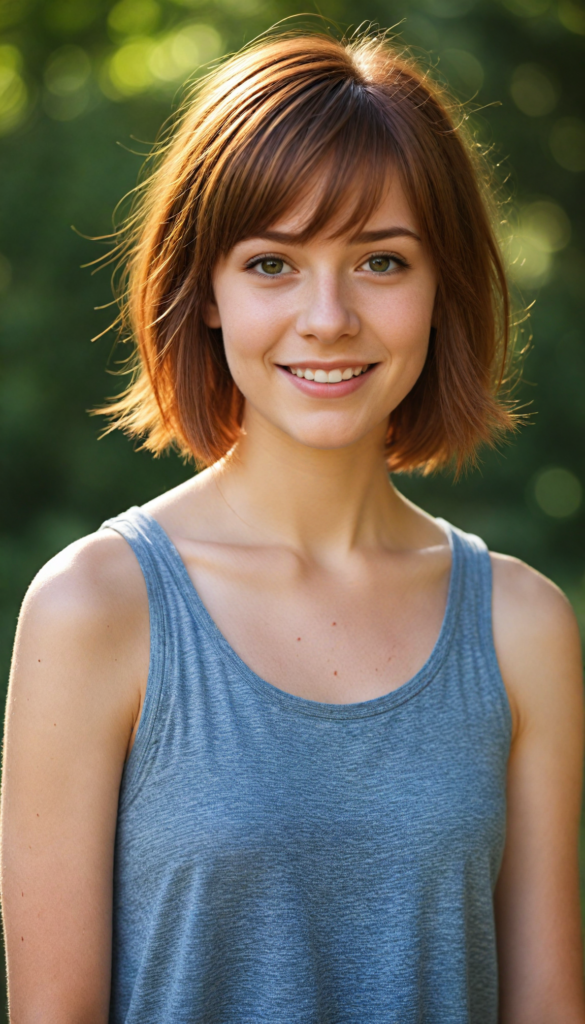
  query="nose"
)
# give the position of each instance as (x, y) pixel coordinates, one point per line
(326, 314)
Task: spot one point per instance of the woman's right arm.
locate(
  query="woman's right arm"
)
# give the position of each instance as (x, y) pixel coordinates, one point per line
(79, 673)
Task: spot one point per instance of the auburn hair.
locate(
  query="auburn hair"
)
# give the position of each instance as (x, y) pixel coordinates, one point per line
(251, 136)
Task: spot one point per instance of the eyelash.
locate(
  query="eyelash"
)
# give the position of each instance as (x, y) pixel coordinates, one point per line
(402, 263)
(257, 260)
(260, 259)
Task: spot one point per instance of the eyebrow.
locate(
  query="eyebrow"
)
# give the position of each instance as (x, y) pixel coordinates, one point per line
(382, 233)
(286, 238)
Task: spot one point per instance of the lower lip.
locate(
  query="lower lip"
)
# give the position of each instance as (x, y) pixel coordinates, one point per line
(339, 390)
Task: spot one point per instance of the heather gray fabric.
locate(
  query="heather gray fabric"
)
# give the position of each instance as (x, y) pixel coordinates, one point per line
(282, 861)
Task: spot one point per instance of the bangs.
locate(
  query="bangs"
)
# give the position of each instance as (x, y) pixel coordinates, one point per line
(329, 143)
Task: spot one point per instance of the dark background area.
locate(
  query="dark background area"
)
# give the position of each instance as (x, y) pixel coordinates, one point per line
(84, 88)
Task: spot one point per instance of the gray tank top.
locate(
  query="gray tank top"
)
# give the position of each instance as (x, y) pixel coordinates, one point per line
(284, 861)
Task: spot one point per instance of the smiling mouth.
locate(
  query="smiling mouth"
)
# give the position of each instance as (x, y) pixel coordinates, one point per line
(328, 376)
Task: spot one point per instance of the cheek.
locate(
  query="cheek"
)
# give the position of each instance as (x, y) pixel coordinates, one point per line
(249, 334)
(253, 323)
(245, 325)
(404, 326)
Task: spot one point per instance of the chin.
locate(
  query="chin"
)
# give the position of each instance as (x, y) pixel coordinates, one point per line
(328, 438)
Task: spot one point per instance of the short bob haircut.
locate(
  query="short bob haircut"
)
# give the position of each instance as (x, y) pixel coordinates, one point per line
(288, 111)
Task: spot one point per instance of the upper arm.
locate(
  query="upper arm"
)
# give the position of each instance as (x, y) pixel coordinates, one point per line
(81, 656)
(537, 895)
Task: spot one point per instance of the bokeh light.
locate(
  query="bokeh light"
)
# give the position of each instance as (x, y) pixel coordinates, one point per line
(179, 53)
(463, 71)
(558, 492)
(67, 70)
(66, 77)
(422, 31)
(533, 91)
(547, 225)
(67, 17)
(13, 11)
(13, 90)
(129, 67)
(572, 15)
(159, 61)
(543, 229)
(134, 17)
(567, 143)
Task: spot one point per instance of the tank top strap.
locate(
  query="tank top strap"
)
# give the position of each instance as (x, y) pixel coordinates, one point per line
(157, 558)
(475, 582)
(154, 554)
(471, 560)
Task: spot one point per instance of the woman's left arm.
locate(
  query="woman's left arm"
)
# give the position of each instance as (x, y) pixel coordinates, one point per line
(538, 918)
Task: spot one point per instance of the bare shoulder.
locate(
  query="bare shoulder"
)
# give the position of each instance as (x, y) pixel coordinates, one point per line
(528, 594)
(91, 591)
(537, 641)
(86, 577)
(82, 636)
(531, 604)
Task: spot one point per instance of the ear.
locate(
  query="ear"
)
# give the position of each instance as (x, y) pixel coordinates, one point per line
(211, 314)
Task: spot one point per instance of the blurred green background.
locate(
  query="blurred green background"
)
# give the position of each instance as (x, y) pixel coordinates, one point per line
(84, 88)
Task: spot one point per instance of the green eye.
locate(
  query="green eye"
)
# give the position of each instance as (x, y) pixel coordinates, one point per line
(272, 265)
(379, 263)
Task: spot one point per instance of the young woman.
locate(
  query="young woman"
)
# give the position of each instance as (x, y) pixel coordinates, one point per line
(277, 748)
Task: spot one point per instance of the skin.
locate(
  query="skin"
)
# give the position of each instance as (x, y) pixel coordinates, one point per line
(297, 534)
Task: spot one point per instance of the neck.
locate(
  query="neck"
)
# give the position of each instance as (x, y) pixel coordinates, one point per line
(321, 502)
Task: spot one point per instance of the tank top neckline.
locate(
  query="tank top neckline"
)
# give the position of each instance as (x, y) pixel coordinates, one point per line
(290, 701)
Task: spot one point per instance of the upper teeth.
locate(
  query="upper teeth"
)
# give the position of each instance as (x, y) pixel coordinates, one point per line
(331, 377)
